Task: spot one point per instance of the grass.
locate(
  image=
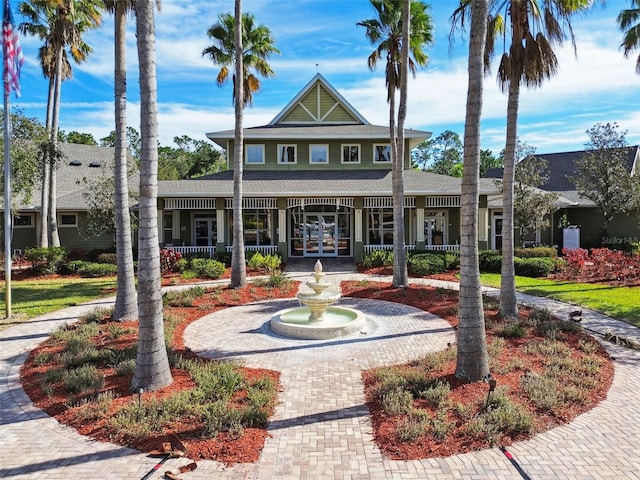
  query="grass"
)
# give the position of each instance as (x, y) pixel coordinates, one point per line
(622, 303)
(32, 298)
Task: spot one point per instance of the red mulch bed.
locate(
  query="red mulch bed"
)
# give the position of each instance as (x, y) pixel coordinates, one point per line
(440, 302)
(443, 303)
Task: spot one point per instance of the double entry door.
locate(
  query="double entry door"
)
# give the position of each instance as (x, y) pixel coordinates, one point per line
(321, 234)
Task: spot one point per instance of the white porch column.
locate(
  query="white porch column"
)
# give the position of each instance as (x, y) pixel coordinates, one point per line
(358, 225)
(220, 226)
(483, 225)
(420, 224)
(282, 226)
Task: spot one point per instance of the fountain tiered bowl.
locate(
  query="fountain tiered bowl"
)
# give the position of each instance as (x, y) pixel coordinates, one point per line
(318, 319)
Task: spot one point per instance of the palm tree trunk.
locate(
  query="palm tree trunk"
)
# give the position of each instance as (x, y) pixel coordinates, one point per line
(238, 264)
(152, 365)
(126, 306)
(472, 358)
(43, 234)
(54, 239)
(508, 302)
(400, 274)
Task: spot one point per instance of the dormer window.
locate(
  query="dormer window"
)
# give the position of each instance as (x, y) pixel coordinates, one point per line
(75, 163)
(94, 164)
(287, 154)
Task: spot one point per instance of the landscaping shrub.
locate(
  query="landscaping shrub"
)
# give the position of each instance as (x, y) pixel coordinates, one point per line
(426, 264)
(91, 269)
(535, 252)
(208, 267)
(111, 258)
(377, 258)
(600, 265)
(490, 261)
(46, 260)
(169, 260)
(268, 263)
(533, 267)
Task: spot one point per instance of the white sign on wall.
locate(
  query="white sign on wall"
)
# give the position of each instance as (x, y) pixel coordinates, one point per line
(571, 237)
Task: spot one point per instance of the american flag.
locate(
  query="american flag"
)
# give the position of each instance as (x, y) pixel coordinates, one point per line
(13, 58)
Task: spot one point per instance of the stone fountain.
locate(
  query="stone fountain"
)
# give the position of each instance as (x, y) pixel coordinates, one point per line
(318, 319)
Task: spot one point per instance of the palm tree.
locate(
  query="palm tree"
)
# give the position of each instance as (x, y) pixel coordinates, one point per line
(42, 16)
(387, 29)
(535, 26)
(631, 39)
(126, 305)
(472, 359)
(247, 46)
(152, 364)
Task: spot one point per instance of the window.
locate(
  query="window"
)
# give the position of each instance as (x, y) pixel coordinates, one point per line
(257, 227)
(254, 153)
(318, 154)
(287, 154)
(68, 220)
(25, 220)
(380, 231)
(382, 153)
(350, 153)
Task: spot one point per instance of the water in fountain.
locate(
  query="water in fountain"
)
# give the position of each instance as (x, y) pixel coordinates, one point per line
(318, 319)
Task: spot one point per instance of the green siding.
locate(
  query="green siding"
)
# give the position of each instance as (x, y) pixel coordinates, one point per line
(297, 115)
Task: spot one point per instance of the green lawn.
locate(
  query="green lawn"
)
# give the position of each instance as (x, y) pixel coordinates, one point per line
(32, 298)
(618, 302)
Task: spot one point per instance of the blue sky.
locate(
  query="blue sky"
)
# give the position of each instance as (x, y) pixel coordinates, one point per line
(598, 86)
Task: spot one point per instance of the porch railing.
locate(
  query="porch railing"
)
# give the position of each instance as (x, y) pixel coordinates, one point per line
(371, 248)
(264, 249)
(211, 251)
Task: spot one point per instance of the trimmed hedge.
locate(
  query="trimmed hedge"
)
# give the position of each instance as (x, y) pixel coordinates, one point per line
(535, 252)
(93, 269)
(491, 262)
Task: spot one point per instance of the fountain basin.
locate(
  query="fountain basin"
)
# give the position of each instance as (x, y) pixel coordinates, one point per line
(336, 322)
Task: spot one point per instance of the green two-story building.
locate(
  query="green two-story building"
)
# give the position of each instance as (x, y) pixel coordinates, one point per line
(316, 183)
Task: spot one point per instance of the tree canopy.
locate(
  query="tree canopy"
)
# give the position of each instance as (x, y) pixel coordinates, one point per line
(603, 173)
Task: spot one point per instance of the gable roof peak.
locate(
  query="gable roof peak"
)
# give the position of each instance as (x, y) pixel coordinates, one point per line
(316, 108)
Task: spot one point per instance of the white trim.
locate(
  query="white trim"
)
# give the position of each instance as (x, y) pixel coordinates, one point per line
(338, 202)
(483, 225)
(358, 226)
(387, 202)
(220, 226)
(253, 203)
(443, 201)
(189, 203)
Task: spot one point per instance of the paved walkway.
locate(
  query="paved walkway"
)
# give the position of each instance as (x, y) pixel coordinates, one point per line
(321, 429)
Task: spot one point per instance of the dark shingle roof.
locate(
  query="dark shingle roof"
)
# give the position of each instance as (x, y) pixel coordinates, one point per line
(561, 167)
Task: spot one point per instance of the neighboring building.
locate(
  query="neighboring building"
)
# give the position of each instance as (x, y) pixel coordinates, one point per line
(579, 211)
(79, 166)
(316, 183)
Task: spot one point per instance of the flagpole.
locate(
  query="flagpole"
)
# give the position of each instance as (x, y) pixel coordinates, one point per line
(7, 179)
(7, 204)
